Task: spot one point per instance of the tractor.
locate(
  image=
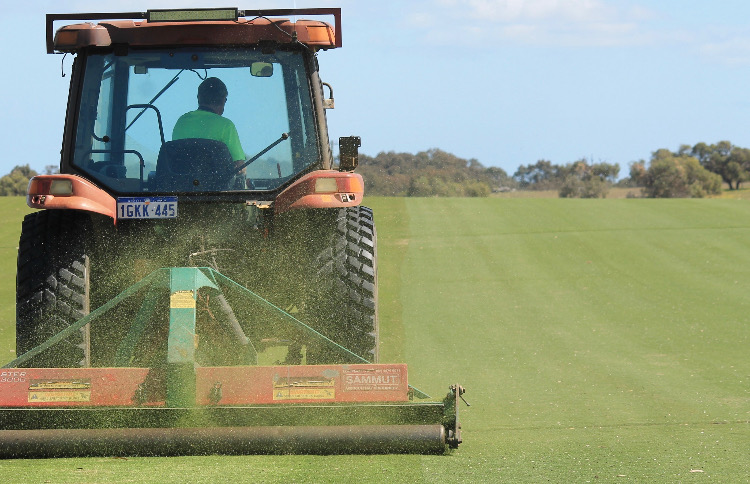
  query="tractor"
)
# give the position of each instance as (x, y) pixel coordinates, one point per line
(201, 246)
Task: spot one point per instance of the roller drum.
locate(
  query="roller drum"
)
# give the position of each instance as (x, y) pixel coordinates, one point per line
(374, 439)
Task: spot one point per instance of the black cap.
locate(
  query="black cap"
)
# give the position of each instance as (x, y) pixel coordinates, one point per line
(212, 91)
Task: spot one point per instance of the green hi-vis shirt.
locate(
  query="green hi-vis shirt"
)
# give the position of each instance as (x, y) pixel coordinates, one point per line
(208, 125)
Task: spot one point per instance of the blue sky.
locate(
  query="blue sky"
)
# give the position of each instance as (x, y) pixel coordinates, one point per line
(507, 82)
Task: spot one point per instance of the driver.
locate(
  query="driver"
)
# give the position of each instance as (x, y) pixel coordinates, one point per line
(207, 121)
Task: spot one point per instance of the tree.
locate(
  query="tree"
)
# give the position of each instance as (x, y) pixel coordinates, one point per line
(671, 175)
(584, 180)
(606, 171)
(542, 175)
(730, 162)
(498, 178)
(737, 167)
(16, 182)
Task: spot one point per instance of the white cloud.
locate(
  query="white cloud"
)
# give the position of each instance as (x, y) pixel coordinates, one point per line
(534, 22)
(522, 10)
(733, 51)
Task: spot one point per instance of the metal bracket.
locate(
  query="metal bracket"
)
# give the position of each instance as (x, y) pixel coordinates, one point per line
(215, 394)
(184, 283)
(450, 420)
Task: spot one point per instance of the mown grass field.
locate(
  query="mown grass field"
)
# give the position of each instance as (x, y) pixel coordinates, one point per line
(599, 341)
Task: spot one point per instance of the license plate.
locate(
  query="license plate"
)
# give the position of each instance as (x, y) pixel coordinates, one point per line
(147, 207)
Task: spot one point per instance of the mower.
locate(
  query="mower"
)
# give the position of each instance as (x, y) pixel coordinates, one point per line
(201, 277)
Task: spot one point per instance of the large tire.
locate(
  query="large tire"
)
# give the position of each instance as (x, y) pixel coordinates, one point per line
(347, 288)
(52, 285)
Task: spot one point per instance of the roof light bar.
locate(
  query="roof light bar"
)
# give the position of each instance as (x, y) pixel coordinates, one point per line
(192, 15)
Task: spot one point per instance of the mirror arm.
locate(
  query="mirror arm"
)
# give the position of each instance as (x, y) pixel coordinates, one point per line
(328, 103)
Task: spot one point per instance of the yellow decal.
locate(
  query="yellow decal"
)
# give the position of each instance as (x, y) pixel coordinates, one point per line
(304, 388)
(182, 300)
(49, 397)
(60, 384)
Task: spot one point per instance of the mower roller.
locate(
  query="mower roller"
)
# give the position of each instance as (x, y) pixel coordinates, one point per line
(183, 297)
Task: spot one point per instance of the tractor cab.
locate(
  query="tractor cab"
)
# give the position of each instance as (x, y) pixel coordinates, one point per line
(124, 135)
(137, 130)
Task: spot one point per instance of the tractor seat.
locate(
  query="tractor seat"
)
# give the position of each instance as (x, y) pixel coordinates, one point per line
(193, 164)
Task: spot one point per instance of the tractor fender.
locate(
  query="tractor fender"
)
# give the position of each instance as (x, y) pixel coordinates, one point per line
(71, 192)
(322, 189)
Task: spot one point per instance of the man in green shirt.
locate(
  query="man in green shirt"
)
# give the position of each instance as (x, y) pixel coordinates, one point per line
(207, 121)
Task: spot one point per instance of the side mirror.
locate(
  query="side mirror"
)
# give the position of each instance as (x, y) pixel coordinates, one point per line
(349, 152)
(261, 69)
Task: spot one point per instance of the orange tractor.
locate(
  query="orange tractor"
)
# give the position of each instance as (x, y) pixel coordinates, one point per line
(201, 276)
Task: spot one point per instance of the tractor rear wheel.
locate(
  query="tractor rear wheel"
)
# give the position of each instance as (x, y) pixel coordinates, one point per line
(346, 274)
(52, 285)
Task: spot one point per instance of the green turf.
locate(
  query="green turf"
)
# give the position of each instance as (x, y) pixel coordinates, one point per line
(599, 340)
(12, 211)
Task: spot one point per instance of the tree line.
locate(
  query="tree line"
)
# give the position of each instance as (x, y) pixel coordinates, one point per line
(580, 179)
(691, 171)
(428, 173)
(438, 173)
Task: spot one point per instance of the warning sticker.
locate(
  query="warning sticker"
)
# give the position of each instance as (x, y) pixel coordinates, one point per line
(304, 388)
(182, 300)
(380, 379)
(54, 396)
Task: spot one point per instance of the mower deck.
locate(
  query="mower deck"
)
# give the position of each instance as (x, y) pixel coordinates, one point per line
(48, 412)
(181, 407)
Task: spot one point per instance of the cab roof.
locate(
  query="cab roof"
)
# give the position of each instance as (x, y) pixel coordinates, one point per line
(194, 27)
